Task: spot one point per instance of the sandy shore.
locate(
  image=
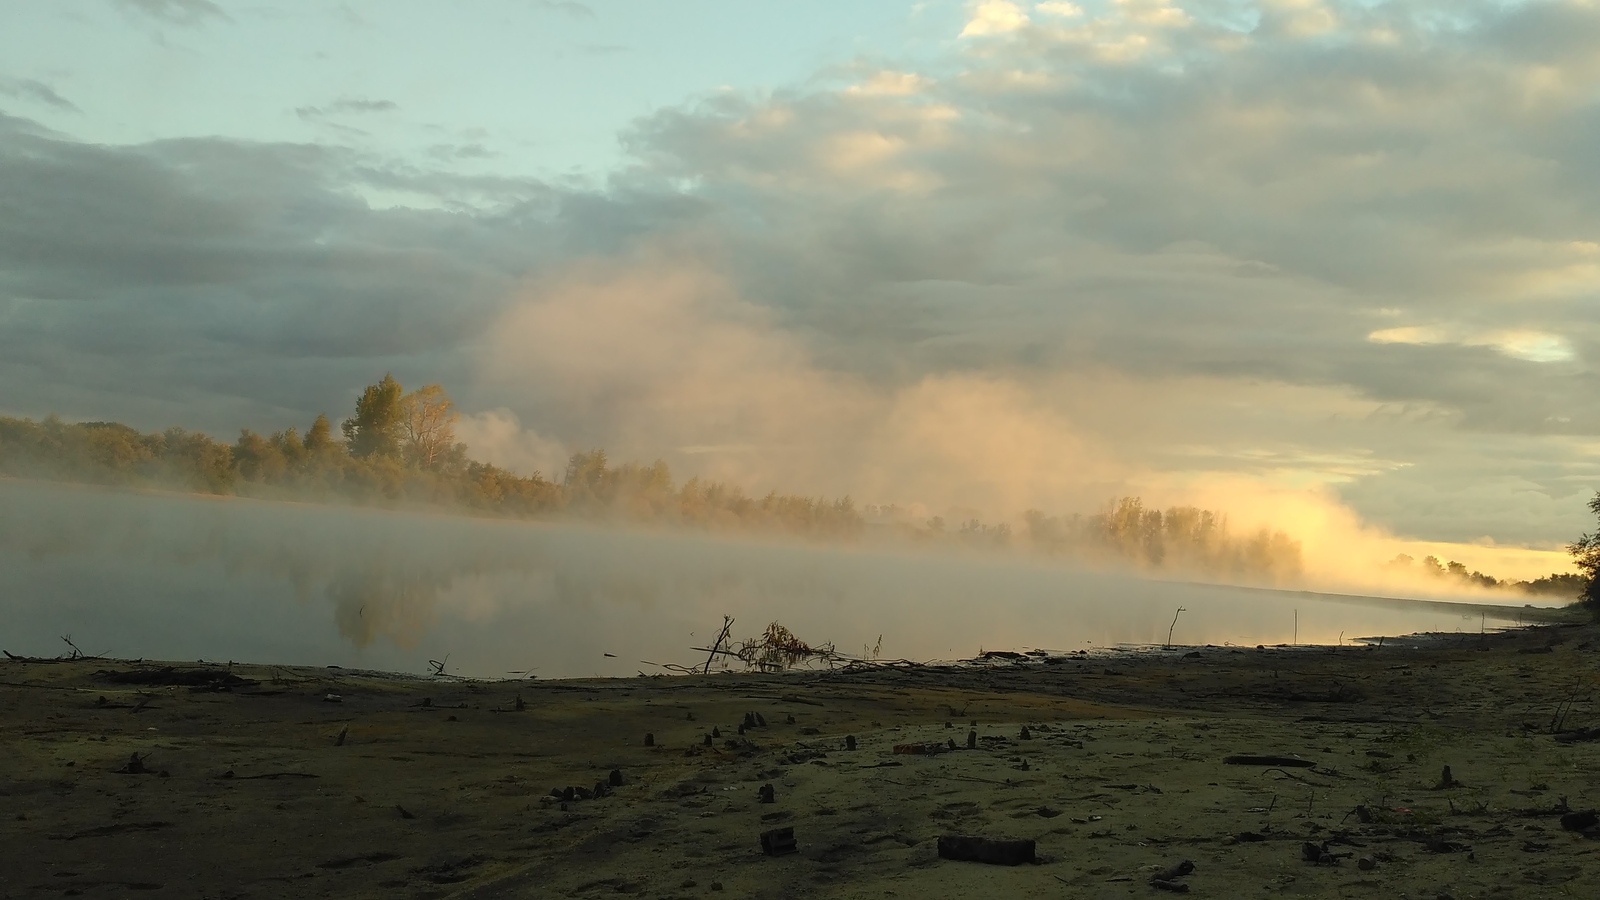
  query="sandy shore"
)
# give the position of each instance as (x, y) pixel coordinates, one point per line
(255, 781)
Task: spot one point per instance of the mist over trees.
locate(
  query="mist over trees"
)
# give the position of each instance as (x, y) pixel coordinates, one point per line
(400, 448)
(1183, 537)
(1565, 585)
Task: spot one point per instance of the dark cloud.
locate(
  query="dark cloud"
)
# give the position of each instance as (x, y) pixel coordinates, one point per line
(209, 281)
(35, 91)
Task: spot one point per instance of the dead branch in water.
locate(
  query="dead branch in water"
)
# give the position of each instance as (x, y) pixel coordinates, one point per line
(778, 650)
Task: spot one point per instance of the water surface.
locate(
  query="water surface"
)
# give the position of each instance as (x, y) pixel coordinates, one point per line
(168, 576)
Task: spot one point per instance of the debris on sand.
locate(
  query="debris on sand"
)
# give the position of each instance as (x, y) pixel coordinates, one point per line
(1167, 879)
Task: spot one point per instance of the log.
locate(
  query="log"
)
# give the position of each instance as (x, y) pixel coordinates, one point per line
(967, 848)
(1582, 734)
(1580, 821)
(1286, 761)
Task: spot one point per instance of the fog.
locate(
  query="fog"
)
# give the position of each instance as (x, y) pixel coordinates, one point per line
(134, 574)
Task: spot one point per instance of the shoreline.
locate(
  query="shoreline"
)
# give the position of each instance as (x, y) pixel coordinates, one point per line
(1537, 617)
(297, 782)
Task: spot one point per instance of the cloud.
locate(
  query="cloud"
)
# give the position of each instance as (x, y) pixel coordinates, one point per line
(994, 17)
(345, 106)
(36, 91)
(188, 13)
(499, 437)
(1059, 8)
(215, 282)
(1332, 251)
(566, 7)
(886, 83)
(1532, 346)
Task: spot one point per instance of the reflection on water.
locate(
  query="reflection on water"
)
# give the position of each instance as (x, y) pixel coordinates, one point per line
(176, 577)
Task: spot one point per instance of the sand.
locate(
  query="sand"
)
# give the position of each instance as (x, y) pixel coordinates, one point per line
(290, 782)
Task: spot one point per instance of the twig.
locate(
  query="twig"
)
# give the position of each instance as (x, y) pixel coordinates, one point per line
(727, 625)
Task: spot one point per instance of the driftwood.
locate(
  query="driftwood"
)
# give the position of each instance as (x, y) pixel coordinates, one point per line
(1582, 734)
(198, 680)
(108, 830)
(1287, 761)
(268, 776)
(986, 850)
(1580, 821)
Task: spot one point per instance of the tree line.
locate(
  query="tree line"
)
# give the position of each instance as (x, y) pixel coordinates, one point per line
(401, 448)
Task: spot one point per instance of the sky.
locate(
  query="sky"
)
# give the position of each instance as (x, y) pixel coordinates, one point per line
(1331, 266)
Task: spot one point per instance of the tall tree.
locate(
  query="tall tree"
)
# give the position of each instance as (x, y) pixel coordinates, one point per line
(427, 420)
(375, 429)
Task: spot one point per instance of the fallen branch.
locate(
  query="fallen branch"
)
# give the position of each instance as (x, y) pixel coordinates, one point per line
(1289, 761)
(1582, 734)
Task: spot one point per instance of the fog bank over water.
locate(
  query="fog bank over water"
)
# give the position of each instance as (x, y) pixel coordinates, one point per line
(181, 577)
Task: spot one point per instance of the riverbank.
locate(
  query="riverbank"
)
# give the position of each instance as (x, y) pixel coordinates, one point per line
(259, 781)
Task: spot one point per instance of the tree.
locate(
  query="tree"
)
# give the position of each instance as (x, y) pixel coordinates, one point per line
(375, 429)
(427, 418)
(257, 458)
(1586, 556)
(319, 439)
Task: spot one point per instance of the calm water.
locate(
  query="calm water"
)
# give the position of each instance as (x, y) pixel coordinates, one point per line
(174, 577)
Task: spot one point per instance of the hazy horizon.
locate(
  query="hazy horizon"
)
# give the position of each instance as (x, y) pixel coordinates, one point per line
(182, 576)
(1325, 266)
